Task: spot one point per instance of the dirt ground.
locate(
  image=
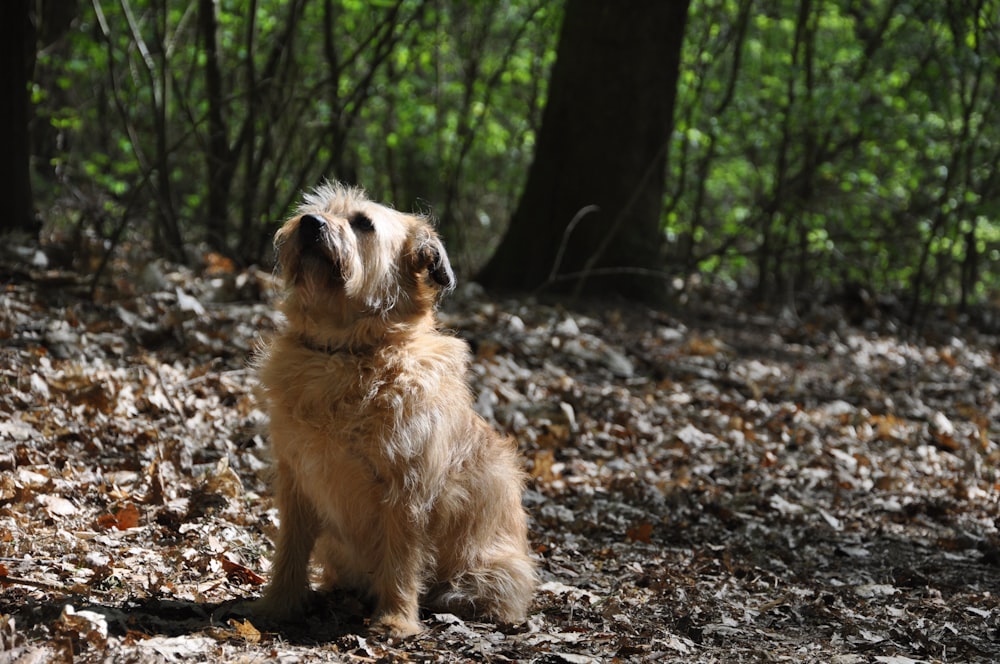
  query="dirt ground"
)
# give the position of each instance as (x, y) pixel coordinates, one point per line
(712, 484)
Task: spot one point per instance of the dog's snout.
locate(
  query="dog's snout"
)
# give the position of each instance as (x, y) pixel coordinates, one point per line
(311, 229)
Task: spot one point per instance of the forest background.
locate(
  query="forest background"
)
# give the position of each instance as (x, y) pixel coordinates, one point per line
(844, 147)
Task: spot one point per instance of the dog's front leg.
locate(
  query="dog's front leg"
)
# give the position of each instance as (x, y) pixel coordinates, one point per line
(398, 581)
(288, 591)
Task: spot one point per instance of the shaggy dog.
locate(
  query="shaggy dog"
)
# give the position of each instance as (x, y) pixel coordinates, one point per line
(385, 475)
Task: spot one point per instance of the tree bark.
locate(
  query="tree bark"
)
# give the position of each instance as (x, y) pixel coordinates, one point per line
(603, 142)
(17, 44)
(221, 161)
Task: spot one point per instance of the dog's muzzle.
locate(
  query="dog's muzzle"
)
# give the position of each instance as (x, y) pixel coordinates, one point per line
(311, 230)
(318, 249)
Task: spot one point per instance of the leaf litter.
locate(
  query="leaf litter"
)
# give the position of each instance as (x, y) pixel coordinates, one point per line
(713, 484)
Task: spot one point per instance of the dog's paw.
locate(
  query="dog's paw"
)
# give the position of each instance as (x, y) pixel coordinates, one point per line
(398, 625)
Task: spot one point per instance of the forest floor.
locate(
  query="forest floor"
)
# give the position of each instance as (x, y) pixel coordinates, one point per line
(713, 484)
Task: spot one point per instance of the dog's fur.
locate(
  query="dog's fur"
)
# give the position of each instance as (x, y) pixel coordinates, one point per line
(385, 474)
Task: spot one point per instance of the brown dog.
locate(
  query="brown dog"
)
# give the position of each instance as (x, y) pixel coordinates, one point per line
(385, 474)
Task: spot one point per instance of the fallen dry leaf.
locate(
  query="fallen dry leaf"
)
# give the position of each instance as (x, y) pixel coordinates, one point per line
(704, 486)
(245, 630)
(123, 519)
(241, 574)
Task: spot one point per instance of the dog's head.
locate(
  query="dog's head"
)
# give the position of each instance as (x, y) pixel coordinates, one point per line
(344, 256)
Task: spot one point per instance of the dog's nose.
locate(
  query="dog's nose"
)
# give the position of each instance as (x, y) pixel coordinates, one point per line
(311, 229)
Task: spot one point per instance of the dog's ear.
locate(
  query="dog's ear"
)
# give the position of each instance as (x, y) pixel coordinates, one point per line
(430, 255)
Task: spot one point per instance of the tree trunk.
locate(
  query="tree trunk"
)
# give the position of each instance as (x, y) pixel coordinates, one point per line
(17, 44)
(221, 161)
(603, 142)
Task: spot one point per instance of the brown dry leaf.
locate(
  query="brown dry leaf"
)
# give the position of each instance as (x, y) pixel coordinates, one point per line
(542, 468)
(553, 436)
(640, 533)
(123, 519)
(701, 346)
(216, 264)
(246, 631)
(224, 481)
(945, 441)
(85, 391)
(486, 351)
(87, 626)
(888, 428)
(127, 517)
(240, 574)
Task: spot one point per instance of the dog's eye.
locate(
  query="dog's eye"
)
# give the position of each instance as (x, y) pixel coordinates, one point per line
(362, 222)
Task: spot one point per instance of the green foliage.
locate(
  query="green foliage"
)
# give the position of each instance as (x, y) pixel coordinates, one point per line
(817, 143)
(406, 97)
(831, 141)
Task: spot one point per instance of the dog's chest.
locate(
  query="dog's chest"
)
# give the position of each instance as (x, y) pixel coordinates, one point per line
(348, 417)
